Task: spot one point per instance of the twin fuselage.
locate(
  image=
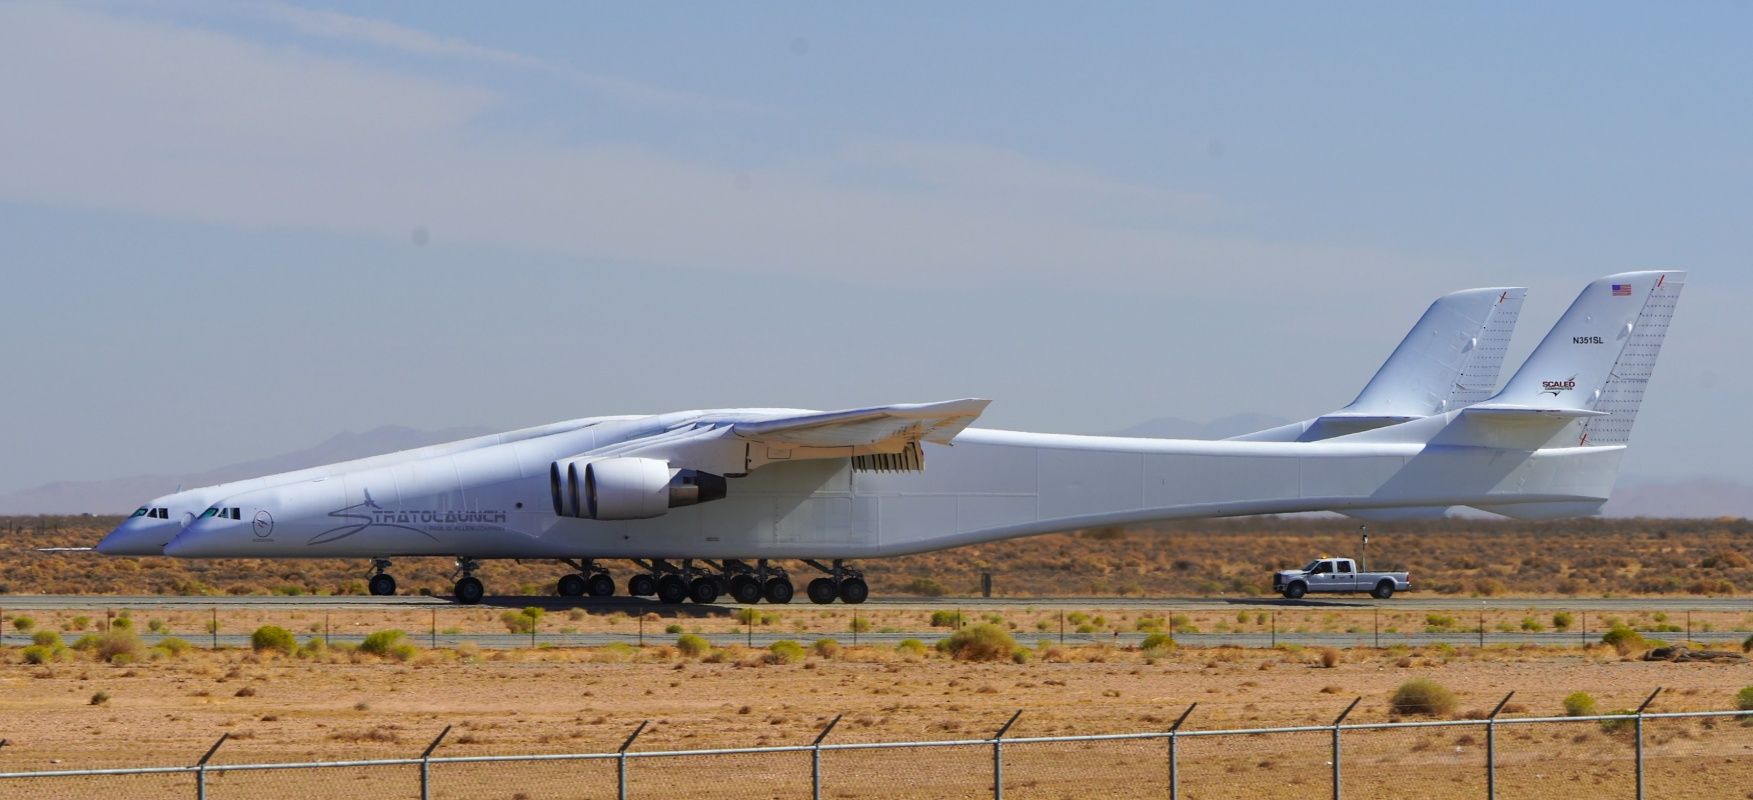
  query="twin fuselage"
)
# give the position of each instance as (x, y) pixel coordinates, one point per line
(497, 501)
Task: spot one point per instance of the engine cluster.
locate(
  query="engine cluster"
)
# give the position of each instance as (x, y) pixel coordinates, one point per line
(627, 488)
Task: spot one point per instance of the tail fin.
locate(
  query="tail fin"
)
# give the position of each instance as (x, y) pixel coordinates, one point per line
(1450, 359)
(1599, 357)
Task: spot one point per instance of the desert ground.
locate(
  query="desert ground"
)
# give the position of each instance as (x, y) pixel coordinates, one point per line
(138, 705)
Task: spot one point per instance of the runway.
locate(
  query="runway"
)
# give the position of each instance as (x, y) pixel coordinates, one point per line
(1403, 602)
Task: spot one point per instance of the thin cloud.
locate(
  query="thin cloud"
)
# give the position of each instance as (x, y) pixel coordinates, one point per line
(334, 25)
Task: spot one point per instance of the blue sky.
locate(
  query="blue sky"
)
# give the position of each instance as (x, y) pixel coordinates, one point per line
(235, 229)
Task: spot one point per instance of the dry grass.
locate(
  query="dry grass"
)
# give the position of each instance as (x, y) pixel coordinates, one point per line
(1458, 557)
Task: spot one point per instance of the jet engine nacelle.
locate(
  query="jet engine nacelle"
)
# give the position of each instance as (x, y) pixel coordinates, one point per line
(628, 488)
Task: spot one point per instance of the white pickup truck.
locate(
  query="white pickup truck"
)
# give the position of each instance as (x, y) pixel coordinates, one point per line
(1337, 575)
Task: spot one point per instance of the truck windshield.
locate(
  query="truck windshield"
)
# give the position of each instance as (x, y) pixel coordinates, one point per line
(1311, 566)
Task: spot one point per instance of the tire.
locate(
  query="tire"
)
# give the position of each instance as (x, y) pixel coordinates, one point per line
(1296, 590)
(854, 591)
(745, 589)
(704, 590)
(671, 589)
(778, 590)
(599, 585)
(1383, 590)
(570, 586)
(822, 591)
(469, 591)
(382, 585)
(641, 586)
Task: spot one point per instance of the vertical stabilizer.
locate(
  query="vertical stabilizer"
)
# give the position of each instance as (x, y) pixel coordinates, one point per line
(1600, 355)
(1451, 358)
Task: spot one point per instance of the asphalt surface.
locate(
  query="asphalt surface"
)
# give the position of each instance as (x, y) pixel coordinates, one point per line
(1403, 602)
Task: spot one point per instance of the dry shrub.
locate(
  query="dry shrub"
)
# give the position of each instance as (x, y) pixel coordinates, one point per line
(983, 642)
(1422, 696)
(1330, 657)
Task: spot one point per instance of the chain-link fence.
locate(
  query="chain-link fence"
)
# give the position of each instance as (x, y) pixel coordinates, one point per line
(1632, 754)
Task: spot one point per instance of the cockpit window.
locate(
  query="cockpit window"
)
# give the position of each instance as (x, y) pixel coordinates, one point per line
(209, 512)
(141, 512)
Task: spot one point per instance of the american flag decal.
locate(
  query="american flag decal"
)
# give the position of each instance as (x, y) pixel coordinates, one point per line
(1621, 290)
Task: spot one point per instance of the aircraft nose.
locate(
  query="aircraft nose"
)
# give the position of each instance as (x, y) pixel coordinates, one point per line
(136, 540)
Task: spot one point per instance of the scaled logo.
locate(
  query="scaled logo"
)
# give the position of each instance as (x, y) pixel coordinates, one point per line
(264, 524)
(1554, 387)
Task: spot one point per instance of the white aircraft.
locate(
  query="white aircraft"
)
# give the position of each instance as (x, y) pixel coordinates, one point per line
(726, 488)
(1459, 340)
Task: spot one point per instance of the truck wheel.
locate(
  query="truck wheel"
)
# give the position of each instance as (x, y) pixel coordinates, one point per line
(1383, 590)
(1296, 590)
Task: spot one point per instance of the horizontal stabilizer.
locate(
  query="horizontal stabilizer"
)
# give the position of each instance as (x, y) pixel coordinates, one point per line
(1581, 508)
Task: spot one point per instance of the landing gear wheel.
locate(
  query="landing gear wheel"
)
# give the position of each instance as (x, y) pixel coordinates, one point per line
(1295, 590)
(704, 590)
(382, 585)
(641, 586)
(671, 589)
(745, 589)
(469, 591)
(854, 591)
(599, 585)
(823, 591)
(570, 586)
(1383, 590)
(778, 590)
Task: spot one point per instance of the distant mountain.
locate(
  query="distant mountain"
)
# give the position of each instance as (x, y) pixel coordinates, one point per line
(1693, 497)
(1221, 428)
(121, 495)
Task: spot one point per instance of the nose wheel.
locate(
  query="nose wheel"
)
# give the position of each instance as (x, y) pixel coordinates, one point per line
(469, 590)
(381, 584)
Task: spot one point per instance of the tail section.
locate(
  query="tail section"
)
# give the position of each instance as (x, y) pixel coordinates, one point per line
(1450, 359)
(1594, 364)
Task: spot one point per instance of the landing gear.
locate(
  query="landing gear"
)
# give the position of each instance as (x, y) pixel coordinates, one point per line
(843, 582)
(671, 589)
(777, 590)
(822, 591)
(745, 589)
(381, 584)
(591, 579)
(642, 585)
(469, 590)
(703, 589)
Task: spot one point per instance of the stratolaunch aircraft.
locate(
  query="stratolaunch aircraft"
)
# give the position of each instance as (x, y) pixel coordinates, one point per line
(705, 501)
(1453, 353)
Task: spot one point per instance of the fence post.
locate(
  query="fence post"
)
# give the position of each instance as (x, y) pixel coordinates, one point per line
(816, 759)
(201, 768)
(1639, 724)
(1174, 754)
(998, 757)
(1342, 716)
(1273, 615)
(621, 761)
(214, 627)
(1491, 748)
(426, 765)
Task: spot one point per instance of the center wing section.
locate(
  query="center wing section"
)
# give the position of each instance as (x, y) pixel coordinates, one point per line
(688, 463)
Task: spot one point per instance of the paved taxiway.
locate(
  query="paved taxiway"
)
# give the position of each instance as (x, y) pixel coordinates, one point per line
(1412, 602)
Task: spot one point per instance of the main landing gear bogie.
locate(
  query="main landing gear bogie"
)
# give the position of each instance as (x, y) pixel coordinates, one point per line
(589, 579)
(842, 582)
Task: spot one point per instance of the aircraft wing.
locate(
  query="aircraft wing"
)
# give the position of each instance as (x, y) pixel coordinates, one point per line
(879, 428)
(887, 437)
